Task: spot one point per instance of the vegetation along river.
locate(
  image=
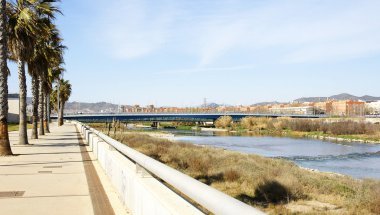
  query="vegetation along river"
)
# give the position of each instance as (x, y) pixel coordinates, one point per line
(355, 159)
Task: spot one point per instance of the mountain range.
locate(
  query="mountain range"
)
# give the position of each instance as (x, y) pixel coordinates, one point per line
(343, 96)
(83, 107)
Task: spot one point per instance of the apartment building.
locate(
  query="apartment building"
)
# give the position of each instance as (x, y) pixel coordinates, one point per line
(346, 108)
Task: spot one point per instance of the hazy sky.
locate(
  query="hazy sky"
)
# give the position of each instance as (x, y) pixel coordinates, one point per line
(177, 52)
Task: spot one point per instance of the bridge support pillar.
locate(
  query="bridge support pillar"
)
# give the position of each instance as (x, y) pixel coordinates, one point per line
(200, 123)
(156, 124)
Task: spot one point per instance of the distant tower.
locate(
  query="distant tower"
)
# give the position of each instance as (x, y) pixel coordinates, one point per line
(205, 102)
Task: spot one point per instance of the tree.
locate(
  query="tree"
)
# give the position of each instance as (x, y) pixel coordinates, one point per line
(247, 123)
(47, 56)
(41, 105)
(53, 76)
(5, 148)
(55, 50)
(223, 122)
(63, 89)
(28, 23)
(35, 97)
(256, 124)
(22, 28)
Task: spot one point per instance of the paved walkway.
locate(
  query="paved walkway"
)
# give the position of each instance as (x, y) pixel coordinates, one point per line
(53, 175)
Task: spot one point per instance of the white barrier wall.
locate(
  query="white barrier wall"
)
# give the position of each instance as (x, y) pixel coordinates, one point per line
(138, 190)
(143, 194)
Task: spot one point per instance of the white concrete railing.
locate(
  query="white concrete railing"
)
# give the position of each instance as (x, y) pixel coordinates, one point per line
(143, 194)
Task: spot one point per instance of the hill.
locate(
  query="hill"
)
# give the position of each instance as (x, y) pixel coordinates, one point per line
(83, 107)
(342, 96)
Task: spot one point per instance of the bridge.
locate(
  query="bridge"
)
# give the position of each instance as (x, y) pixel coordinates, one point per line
(174, 117)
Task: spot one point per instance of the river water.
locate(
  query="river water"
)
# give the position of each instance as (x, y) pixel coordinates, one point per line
(355, 159)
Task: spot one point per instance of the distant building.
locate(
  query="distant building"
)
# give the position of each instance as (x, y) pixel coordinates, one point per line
(346, 108)
(373, 108)
(13, 108)
(303, 110)
(322, 107)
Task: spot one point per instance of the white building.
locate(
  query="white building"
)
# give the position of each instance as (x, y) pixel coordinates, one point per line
(13, 108)
(306, 110)
(373, 108)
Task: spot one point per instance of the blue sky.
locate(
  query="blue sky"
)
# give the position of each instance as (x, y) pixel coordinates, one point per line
(177, 52)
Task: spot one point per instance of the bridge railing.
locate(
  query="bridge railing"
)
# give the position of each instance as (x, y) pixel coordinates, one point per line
(206, 196)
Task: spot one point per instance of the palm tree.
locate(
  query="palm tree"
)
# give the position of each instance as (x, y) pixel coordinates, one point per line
(38, 65)
(55, 50)
(22, 30)
(35, 92)
(53, 76)
(5, 148)
(41, 105)
(63, 88)
(26, 28)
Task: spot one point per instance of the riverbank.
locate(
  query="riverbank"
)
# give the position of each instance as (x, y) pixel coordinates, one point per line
(338, 130)
(276, 185)
(344, 138)
(371, 139)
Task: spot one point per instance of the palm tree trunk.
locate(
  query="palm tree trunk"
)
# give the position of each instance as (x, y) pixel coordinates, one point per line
(48, 109)
(59, 104)
(35, 94)
(41, 109)
(23, 135)
(46, 122)
(5, 147)
(61, 113)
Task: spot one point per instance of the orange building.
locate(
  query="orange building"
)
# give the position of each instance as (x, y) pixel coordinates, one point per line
(347, 108)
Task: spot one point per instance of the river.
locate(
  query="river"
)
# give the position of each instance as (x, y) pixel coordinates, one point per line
(355, 159)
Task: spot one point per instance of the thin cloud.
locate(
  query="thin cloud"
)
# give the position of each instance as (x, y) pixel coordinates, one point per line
(133, 29)
(303, 31)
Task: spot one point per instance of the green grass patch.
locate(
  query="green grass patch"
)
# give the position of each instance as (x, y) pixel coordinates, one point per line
(184, 127)
(15, 126)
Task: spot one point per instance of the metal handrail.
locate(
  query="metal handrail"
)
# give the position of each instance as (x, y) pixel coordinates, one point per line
(210, 198)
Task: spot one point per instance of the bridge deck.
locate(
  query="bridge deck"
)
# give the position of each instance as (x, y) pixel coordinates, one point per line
(53, 175)
(165, 117)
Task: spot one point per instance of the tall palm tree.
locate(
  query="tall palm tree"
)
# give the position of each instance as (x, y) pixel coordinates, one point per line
(25, 30)
(55, 51)
(35, 101)
(22, 30)
(63, 89)
(37, 69)
(36, 66)
(5, 148)
(41, 105)
(53, 76)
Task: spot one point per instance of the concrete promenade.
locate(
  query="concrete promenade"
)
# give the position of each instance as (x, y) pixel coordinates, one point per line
(54, 175)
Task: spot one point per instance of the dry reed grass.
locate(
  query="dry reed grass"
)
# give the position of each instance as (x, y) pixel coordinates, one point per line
(342, 127)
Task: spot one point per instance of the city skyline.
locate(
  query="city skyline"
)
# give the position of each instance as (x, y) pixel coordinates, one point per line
(235, 52)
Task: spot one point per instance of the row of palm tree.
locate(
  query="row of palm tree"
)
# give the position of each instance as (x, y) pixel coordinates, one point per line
(29, 37)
